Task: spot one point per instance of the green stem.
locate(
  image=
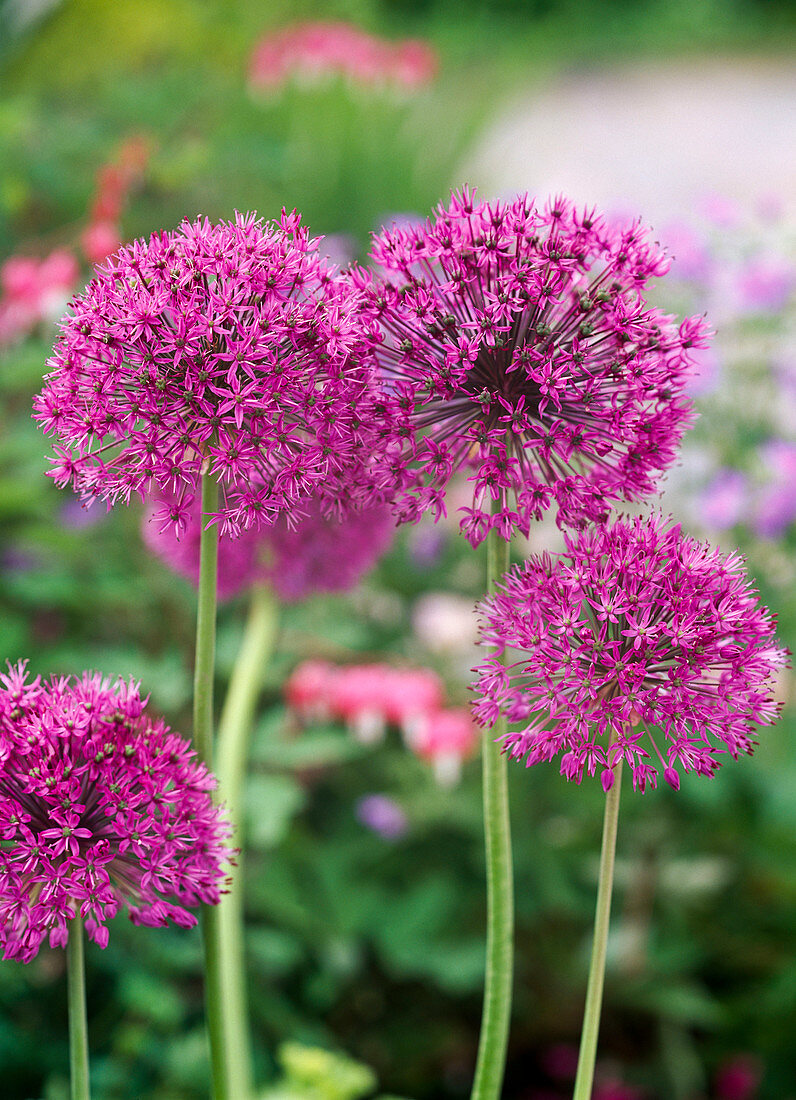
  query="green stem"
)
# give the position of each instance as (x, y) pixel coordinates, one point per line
(594, 990)
(500, 888)
(78, 1025)
(234, 735)
(204, 670)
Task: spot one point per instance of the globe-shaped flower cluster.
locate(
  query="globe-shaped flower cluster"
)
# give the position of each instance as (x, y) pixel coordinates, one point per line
(516, 343)
(100, 806)
(639, 643)
(227, 349)
(299, 557)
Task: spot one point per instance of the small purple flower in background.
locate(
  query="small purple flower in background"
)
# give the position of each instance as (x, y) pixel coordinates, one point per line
(382, 815)
(100, 806)
(426, 546)
(691, 258)
(721, 210)
(227, 349)
(724, 501)
(775, 507)
(519, 346)
(636, 628)
(308, 554)
(765, 284)
(77, 516)
(705, 373)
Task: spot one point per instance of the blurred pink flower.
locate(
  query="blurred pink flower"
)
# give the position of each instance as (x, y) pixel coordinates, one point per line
(32, 291)
(724, 501)
(308, 690)
(445, 739)
(315, 50)
(705, 372)
(691, 258)
(367, 698)
(775, 507)
(766, 284)
(739, 1078)
(721, 210)
(100, 240)
(561, 1061)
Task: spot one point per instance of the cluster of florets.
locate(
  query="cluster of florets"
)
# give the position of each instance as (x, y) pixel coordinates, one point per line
(100, 806)
(518, 345)
(298, 556)
(636, 629)
(226, 349)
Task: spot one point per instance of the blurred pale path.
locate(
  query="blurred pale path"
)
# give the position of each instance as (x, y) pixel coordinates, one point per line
(650, 139)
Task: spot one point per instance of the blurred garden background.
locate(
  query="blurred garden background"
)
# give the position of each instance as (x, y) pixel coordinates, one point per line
(364, 894)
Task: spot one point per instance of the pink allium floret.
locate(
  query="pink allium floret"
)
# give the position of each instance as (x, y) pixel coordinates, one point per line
(637, 634)
(100, 806)
(517, 344)
(229, 349)
(311, 554)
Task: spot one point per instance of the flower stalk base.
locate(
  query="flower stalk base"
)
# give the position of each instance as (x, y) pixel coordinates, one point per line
(493, 1042)
(594, 990)
(234, 737)
(78, 1025)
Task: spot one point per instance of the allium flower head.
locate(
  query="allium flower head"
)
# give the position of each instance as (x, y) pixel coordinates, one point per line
(639, 634)
(298, 557)
(229, 349)
(100, 806)
(517, 344)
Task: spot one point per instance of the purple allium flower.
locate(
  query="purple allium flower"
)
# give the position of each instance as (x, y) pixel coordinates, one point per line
(382, 815)
(310, 554)
(636, 629)
(766, 284)
(226, 348)
(100, 805)
(517, 344)
(724, 500)
(775, 507)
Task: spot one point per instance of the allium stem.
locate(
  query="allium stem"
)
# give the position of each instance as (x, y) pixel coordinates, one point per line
(203, 740)
(78, 1025)
(500, 887)
(234, 736)
(594, 990)
(204, 668)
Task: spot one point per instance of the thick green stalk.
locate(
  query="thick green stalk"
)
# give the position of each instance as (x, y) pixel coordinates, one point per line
(594, 989)
(203, 740)
(493, 1043)
(234, 736)
(78, 1025)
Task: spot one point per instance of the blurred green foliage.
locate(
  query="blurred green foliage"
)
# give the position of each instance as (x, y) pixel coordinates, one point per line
(357, 943)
